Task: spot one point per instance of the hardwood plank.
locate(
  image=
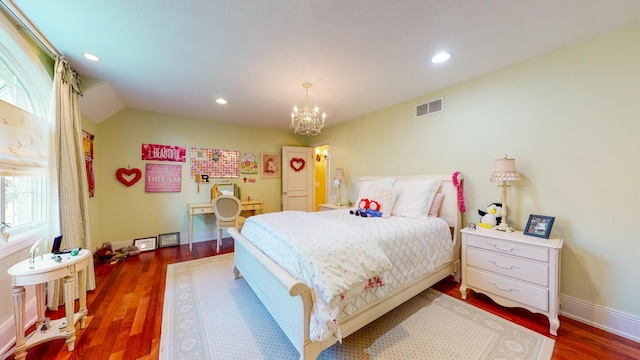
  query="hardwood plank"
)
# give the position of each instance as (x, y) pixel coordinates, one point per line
(125, 314)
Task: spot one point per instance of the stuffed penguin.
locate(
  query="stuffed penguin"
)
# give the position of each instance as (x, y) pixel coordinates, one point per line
(490, 218)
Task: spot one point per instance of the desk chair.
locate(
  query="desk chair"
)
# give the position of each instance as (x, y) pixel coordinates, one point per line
(227, 210)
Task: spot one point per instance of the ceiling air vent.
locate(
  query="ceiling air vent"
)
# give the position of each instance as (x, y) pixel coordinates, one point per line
(431, 107)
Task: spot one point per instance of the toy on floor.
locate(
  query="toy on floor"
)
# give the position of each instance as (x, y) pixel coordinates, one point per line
(490, 217)
(123, 253)
(104, 252)
(367, 208)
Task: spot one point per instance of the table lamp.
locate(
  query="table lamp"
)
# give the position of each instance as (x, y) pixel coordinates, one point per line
(504, 170)
(338, 178)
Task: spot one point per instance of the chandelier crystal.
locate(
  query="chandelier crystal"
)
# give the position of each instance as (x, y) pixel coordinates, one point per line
(307, 121)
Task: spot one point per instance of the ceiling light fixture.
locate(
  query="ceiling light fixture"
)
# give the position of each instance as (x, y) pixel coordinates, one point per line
(221, 101)
(440, 57)
(91, 57)
(307, 121)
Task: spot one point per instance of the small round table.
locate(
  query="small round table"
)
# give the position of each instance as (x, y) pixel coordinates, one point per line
(46, 269)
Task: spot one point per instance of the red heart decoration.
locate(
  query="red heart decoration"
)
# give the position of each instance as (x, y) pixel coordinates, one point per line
(122, 172)
(297, 164)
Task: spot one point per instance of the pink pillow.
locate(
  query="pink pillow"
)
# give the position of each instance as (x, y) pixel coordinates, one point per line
(436, 204)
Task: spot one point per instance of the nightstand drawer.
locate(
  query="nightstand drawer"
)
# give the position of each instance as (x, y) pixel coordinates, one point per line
(510, 247)
(530, 295)
(511, 266)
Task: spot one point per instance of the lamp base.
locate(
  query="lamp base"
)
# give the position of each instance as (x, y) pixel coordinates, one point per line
(504, 227)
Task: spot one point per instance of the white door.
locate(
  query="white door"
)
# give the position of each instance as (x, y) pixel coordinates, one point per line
(298, 174)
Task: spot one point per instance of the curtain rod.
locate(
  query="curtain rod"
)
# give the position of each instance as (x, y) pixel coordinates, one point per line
(24, 23)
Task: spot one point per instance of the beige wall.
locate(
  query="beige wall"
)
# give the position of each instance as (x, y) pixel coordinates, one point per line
(120, 214)
(570, 118)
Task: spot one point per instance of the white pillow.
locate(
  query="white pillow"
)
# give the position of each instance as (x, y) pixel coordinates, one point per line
(364, 187)
(414, 197)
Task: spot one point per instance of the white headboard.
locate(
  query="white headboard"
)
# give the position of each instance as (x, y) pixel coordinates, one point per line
(449, 210)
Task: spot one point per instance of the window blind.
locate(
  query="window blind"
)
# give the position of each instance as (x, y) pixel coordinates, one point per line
(24, 144)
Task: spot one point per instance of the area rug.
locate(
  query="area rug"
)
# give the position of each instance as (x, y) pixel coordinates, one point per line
(208, 314)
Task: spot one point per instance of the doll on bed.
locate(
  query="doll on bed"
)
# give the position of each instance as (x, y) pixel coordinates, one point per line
(367, 208)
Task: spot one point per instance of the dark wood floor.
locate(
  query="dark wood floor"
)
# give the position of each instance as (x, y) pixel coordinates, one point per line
(125, 314)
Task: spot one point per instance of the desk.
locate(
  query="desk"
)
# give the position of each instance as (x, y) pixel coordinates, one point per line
(46, 269)
(254, 206)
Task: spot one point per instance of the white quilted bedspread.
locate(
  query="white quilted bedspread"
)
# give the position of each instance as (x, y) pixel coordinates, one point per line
(413, 246)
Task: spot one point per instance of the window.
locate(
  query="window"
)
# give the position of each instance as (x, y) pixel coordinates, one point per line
(25, 84)
(24, 203)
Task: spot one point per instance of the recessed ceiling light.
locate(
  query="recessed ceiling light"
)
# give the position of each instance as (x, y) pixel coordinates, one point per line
(221, 101)
(91, 57)
(441, 57)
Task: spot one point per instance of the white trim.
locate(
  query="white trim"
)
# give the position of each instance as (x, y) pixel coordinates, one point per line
(610, 320)
(24, 241)
(8, 329)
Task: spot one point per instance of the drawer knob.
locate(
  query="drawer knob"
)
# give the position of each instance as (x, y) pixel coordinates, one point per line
(501, 288)
(502, 266)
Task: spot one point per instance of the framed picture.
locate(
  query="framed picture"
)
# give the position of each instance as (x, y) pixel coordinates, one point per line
(168, 239)
(145, 244)
(539, 225)
(270, 165)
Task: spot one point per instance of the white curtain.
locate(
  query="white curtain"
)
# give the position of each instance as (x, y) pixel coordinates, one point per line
(73, 191)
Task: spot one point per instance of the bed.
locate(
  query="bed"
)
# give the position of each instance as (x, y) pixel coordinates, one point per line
(291, 301)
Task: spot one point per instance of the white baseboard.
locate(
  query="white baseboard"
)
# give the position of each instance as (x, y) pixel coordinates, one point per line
(8, 329)
(613, 321)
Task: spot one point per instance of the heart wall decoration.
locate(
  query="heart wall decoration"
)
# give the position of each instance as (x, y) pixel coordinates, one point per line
(297, 164)
(128, 176)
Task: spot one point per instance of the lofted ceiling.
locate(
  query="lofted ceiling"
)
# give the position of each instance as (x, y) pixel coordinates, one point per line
(177, 57)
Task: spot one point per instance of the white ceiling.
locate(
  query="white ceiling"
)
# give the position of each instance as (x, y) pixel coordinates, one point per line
(176, 57)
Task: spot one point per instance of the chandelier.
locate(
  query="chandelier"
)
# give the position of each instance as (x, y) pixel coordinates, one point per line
(307, 121)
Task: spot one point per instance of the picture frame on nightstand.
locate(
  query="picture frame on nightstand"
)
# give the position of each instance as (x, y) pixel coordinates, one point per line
(539, 225)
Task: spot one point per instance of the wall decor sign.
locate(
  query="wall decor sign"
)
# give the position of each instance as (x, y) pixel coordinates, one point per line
(216, 163)
(164, 152)
(163, 178)
(128, 176)
(249, 163)
(87, 144)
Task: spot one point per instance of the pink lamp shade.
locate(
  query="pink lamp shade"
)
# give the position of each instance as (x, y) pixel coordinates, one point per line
(505, 170)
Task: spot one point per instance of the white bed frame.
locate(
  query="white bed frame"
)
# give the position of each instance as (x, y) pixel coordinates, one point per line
(289, 301)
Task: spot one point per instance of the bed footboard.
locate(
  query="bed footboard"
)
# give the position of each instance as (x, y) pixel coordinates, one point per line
(288, 300)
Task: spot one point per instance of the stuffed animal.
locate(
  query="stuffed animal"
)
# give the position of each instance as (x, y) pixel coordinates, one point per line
(123, 253)
(490, 217)
(367, 208)
(104, 252)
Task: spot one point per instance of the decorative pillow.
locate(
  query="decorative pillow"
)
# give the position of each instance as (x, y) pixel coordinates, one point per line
(364, 187)
(436, 205)
(380, 198)
(415, 197)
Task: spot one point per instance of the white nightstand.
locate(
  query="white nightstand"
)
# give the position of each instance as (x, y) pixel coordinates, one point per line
(514, 270)
(324, 207)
